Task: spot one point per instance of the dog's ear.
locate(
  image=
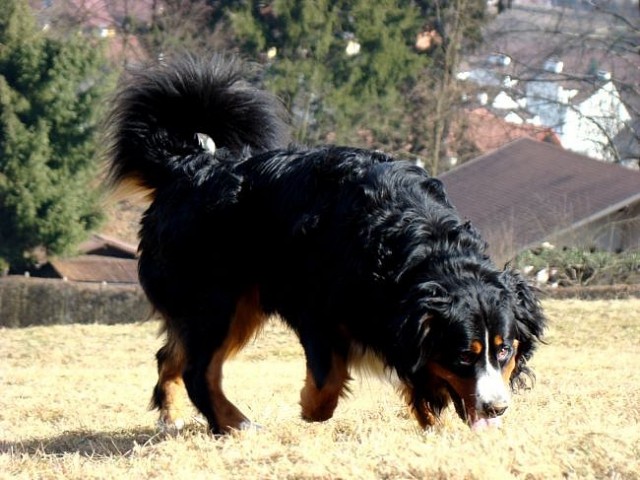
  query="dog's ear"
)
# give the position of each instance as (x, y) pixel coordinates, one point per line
(417, 332)
(530, 323)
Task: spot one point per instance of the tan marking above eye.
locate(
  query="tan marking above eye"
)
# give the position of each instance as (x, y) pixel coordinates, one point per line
(476, 347)
(508, 368)
(498, 340)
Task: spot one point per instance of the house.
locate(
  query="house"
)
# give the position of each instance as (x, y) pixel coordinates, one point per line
(114, 21)
(102, 259)
(586, 118)
(585, 115)
(528, 192)
(569, 72)
(481, 131)
(105, 245)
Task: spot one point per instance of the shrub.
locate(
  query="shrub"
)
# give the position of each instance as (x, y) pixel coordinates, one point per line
(576, 266)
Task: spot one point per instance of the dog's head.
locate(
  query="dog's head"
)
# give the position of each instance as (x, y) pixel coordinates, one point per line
(476, 338)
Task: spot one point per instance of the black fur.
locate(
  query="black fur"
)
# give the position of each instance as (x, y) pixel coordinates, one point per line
(348, 246)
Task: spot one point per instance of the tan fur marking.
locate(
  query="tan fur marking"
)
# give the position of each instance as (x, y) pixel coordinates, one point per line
(319, 404)
(176, 403)
(246, 323)
(465, 388)
(498, 340)
(507, 370)
(422, 412)
(227, 414)
(476, 347)
(130, 188)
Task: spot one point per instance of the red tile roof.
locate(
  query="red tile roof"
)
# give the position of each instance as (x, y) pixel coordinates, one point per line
(486, 132)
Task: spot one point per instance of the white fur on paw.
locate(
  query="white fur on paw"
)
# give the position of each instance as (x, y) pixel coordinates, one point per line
(171, 427)
(249, 425)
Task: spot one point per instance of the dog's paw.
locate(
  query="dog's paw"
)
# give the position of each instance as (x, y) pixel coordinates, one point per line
(170, 427)
(248, 425)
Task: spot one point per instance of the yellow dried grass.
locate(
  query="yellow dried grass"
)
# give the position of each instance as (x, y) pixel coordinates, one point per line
(74, 400)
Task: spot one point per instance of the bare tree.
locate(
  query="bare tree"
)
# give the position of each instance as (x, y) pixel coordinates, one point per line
(186, 25)
(454, 26)
(139, 30)
(571, 66)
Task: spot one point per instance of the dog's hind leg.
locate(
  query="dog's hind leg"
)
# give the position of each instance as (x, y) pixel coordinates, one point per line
(226, 416)
(203, 375)
(169, 394)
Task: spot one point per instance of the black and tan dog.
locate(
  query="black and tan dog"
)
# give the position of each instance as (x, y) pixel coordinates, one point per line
(357, 253)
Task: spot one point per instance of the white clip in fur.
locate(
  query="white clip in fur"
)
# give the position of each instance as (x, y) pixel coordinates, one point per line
(206, 142)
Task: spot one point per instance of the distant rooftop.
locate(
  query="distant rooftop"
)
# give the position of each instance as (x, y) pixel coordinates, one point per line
(528, 190)
(97, 269)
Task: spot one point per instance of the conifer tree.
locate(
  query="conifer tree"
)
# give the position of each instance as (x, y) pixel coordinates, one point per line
(50, 91)
(341, 66)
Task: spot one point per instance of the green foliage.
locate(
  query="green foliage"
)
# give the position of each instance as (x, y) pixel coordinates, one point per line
(50, 91)
(388, 95)
(333, 94)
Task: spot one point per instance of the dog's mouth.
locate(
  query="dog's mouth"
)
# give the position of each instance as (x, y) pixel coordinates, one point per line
(480, 400)
(466, 410)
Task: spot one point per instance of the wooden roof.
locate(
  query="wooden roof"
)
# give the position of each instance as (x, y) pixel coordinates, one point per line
(530, 190)
(96, 268)
(100, 244)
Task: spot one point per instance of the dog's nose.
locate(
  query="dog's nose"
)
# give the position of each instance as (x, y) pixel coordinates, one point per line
(494, 409)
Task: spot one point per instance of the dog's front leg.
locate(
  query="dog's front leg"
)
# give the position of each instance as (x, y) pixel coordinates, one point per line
(169, 394)
(325, 383)
(427, 401)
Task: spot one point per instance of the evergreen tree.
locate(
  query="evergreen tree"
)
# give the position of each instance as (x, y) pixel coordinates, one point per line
(341, 66)
(49, 93)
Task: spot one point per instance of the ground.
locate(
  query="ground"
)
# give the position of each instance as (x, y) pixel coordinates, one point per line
(74, 405)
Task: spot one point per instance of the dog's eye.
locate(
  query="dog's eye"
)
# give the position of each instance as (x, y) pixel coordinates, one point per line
(504, 352)
(467, 358)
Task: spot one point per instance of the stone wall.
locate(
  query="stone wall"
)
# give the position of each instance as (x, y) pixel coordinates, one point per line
(34, 301)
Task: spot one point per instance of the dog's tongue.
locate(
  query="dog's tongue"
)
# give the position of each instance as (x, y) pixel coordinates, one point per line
(482, 423)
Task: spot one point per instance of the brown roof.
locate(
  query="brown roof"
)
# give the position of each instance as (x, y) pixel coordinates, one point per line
(528, 190)
(95, 268)
(100, 244)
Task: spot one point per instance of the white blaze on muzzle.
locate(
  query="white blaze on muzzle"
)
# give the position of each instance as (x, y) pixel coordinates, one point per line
(491, 396)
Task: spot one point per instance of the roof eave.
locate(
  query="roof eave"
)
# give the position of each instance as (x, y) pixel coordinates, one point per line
(591, 218)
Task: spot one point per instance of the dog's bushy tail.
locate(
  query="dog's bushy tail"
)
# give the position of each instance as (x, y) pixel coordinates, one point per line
(158, 111)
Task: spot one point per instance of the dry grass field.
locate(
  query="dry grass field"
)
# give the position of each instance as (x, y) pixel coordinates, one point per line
(73, 405)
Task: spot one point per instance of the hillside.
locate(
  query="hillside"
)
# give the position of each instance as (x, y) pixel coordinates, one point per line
(123, 220)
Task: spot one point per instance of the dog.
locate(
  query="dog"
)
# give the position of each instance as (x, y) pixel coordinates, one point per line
(358, 253)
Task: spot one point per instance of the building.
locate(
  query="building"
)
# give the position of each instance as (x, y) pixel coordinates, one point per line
(102, 259)
(528, 192)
